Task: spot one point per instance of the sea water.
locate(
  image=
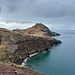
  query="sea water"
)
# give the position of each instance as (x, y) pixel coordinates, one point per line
(60, 59)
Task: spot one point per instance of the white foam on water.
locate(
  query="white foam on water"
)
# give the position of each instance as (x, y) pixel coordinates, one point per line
(24, 63)
(31, 55)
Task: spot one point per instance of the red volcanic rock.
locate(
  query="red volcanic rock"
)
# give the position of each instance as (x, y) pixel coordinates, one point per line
(9, 70)
(27, 47)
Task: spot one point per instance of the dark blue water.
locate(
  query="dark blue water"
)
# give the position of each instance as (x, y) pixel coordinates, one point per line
(60, 60)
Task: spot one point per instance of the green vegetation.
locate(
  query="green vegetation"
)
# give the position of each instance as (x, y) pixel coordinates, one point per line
(34, 71)
(20, 73)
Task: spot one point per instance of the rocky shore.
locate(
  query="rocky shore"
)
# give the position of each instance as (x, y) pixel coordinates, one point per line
(18, 44)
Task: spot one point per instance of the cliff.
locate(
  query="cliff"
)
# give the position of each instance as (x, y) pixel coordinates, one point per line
(18, 44)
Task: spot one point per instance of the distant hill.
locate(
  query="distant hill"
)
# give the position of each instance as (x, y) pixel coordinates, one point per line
(44, 28)
(38, 30)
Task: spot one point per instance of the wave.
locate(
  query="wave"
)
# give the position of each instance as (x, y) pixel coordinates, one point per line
(31, 55)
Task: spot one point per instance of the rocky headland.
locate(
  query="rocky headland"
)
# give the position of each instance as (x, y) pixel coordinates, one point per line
(18, 44)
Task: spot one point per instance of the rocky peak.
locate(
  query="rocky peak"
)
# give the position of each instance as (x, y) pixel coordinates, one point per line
(38, 29)
(44, 28)
(39, 25)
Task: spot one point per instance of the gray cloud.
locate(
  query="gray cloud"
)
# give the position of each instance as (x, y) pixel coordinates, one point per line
(12, 8)
(21, 22)
(55, 13)
(0, 9)
(56, 8)
(43, 8)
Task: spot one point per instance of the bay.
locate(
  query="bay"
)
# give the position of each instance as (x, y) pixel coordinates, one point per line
(60, 59)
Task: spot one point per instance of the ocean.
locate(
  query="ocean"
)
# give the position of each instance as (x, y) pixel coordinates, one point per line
(60, 59)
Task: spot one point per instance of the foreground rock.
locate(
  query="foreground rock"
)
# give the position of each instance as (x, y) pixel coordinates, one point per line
(18, 44)
(13, 69)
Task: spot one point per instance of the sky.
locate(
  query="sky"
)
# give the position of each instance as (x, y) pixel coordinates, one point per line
(21, 14)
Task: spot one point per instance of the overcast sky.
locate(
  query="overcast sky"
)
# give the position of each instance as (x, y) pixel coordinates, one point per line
(56, 14)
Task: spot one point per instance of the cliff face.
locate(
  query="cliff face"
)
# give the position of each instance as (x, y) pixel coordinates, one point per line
(16, 45)
(28, 47)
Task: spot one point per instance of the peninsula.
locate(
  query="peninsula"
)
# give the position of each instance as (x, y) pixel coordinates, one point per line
(18, 44)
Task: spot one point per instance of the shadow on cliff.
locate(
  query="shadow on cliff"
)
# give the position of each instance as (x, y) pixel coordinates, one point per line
(40, 58)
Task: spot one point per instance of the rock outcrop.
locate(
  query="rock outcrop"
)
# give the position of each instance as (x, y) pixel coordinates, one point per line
(16, 45)
(37, 28)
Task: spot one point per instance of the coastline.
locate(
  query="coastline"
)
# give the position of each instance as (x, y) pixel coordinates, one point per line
(18, 45)
(31, 55)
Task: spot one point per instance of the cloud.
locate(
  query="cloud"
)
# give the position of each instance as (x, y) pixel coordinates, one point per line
(0, 9)
(21, 22)
(54, 13)
(56, 8)
(15, 25)
(12, 8)
(37, 8)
